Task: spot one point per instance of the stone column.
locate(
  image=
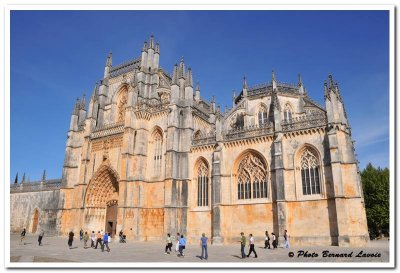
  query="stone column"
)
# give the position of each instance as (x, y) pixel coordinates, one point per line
(216, 197)
(279, 187)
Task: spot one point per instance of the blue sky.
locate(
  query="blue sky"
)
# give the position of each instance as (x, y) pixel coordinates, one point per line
(56, 56)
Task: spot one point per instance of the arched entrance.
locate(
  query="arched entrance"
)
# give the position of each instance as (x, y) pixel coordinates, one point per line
(101, 201)
(35, 221)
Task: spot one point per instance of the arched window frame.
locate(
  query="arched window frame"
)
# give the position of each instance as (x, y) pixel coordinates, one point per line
(156, 153)
(203, 179)
(262, 116)
(288, 112)
(252, 178)
(310, 183)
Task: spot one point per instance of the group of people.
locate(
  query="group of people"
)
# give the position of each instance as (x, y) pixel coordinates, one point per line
(181, 245)
(102, 238)
(267, 243)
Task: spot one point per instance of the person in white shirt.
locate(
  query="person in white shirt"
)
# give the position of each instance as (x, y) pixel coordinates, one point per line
(274, 240)
(267, 244)
(251, 245)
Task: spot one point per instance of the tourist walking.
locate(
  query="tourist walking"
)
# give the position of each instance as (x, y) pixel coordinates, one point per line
(286, 236)
(182, 245)
(85, 239)
(168, 244)
(203, 244)
(274, 244)
(98, 240)
(106, 238)
(23, 233)
(92, 239)
(178, 236)
(41, 234)
(80, 235)
(242, 245)
(70, 239)
(251, 245)
(267, 244)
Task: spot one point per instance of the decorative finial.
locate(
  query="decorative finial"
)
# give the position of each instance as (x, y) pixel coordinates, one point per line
(109, 59)
(300, 83)
(273, 76)
(244, 83)
(44, 176)
(197, 86)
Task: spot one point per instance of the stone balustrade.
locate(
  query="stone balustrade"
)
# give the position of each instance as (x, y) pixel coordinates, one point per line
(204, 139)
(54, 184)
(304, 122)
(107, 130)
(247, 132)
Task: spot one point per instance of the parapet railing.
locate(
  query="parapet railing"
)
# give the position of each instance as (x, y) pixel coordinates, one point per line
(204, 138)
(304, 122)
(151, 107)
(248, 131)
(54, 184)
(124, 67)
(108, 129)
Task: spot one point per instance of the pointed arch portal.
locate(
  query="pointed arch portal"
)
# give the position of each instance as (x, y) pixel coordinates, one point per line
(101, 202)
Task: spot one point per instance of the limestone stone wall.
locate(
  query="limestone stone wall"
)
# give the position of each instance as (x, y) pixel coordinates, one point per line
(23, 206)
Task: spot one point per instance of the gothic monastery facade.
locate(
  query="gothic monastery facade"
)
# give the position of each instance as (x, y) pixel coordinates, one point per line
(148, 155)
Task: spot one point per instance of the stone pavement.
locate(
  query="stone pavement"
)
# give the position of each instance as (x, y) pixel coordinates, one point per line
(55, 249)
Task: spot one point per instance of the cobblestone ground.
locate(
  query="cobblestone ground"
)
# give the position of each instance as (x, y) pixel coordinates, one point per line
(55, 249)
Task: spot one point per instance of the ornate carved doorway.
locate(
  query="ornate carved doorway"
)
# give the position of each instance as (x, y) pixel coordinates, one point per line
(101, 205)
(111, 217)
(35, 221)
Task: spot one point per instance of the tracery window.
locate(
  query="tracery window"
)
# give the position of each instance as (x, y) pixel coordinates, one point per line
(252, 178)
(202, 184)
(262, 116)
(237, 121)
(310, 173)
(288, 113)
(121, 106)
(157, 142)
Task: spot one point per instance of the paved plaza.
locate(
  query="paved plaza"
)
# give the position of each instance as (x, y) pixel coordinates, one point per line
(55, 249)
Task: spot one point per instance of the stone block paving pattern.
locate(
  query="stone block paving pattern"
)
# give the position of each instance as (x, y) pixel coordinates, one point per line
(55, 249)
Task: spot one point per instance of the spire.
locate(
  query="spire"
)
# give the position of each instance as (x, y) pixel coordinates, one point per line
(181, 69)
(94, 93)
(331, 85)
(151, 41)
(175, 75)
(233, 98)
(300, 84)
(326, 92)
(144, 46)
(83, 103)
(157, 48)
(213, 104)
(109, 60)
(44, 176)
(77, 106)
(197, 86)
(244, 89)
(197, 92)
(275, 101)
(273, 80)
(189, 78)
(16, 179)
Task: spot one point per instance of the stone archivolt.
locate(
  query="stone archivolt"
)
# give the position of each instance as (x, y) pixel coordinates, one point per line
(102, 188)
